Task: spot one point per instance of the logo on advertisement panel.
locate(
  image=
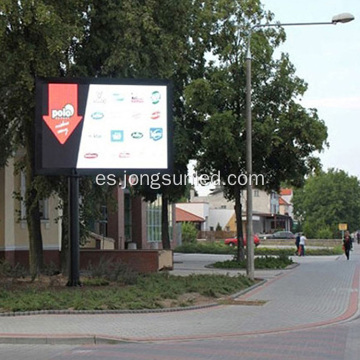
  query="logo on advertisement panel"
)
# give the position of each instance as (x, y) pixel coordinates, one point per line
(156, 133)
(136, 99)
(117, 135)
(137, 135)
(99, 99)
(65, 113)
(118, 97)
(91, 155)
(95, 136)
(155, 97)
(97, 115)
(136, 116)
(155, 115)
(63, 110)
(124, 155)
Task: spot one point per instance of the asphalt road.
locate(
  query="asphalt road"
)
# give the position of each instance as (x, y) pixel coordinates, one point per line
(334, 342)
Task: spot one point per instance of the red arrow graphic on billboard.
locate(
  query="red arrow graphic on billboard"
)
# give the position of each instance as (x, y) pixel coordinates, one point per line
(63, 110)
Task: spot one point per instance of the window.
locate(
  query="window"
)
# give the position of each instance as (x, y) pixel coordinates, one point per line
(127, 215)
(256, 193)
(44, 209)
(153, 220)
(22, 196)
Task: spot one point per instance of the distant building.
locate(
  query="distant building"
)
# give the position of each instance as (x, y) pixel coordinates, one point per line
(186, 216)
(287, 207)
(268, 215)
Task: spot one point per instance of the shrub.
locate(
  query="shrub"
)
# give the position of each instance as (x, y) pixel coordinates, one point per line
(263, 262)
(205, 248)
(111, 270)
(14, 272)
(324, 233)
(189, 232)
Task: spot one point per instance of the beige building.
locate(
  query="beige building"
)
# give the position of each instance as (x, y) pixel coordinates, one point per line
(14, 237)
(135, 225)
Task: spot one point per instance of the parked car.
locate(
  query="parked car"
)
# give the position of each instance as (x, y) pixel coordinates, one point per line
(282, 235)
(234, 241)
(265, 236)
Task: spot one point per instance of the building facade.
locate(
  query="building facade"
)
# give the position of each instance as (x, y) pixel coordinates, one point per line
(133, 225)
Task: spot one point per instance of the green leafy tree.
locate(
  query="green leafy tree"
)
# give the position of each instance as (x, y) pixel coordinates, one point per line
(142, 40)
(188, 232)
(284, 133)
(35, 39)
(327, 199)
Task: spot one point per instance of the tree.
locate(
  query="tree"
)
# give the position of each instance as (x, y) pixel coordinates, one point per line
(327, 199)
(284, 133)
(35, 38)
(188, 232)
(142, 40)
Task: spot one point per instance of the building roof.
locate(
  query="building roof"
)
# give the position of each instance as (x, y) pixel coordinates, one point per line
(283, 202)
(183, 215)
(286, 192)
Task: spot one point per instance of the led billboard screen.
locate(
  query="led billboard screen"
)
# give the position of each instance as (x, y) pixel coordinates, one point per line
(102, 125)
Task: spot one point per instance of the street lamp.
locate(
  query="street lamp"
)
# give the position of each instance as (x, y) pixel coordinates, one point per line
(341, 18)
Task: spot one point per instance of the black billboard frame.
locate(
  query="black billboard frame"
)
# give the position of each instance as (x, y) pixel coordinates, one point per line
(41, 109)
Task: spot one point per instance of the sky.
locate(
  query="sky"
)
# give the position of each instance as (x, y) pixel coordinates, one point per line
(327, 57)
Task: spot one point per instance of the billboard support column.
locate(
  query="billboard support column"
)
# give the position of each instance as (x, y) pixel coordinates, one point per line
(74, 231)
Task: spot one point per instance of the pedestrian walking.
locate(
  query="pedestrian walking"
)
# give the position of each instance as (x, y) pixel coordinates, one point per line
(297, 243)
(358, 237)
(347, 244)
(302, 245)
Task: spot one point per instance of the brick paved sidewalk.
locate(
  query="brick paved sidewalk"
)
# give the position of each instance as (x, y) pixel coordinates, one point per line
(312, 294)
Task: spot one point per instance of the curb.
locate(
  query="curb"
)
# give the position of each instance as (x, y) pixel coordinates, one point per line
(61, 340)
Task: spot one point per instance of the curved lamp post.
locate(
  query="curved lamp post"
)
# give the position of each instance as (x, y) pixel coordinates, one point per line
(341, 18)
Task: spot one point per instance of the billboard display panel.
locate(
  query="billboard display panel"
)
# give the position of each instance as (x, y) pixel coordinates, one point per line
(90, 126)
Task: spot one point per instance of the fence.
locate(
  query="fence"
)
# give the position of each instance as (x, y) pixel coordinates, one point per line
(215, 235)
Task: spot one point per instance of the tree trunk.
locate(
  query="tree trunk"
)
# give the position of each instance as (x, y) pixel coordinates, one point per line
(240, 256)
(165, 222)
(65, 252)
(36, 260)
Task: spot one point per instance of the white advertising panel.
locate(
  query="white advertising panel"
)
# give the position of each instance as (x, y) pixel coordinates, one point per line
(93, 125)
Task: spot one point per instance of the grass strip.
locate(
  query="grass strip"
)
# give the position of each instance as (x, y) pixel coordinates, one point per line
(264, 262)
(154, 291)
(221, 248)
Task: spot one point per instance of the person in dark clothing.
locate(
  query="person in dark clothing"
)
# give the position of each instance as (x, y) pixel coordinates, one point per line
(297, 243)
(347, 244)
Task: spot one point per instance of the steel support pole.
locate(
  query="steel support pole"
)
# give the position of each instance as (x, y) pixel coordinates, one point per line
(250, 268)
(74, 231)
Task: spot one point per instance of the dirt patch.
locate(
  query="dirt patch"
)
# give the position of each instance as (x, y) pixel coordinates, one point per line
(40, 283)
(188, 299)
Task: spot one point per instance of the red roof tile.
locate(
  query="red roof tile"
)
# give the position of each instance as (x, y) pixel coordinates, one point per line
(183, 215)
(282, 201)
(286, 192)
